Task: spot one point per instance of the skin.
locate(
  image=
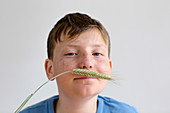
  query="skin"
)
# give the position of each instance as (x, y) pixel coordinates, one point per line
(87, 51)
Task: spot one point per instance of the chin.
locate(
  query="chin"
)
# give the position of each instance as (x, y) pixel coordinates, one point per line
(88, 92)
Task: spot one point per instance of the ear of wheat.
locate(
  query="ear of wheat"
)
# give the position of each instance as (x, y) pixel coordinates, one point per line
(82, 72)
(89, 73)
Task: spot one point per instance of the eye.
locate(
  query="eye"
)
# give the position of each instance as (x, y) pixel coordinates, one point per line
(70, 54)
(97, 54)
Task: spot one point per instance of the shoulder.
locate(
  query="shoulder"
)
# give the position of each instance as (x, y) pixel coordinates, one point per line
(41, 107)
(111, 105)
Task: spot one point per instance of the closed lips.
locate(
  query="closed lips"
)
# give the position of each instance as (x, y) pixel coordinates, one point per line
(82, 78)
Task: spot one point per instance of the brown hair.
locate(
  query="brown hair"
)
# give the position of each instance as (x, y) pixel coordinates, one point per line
(73, 24)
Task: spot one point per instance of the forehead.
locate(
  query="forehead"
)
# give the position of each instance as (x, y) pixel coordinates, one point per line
(90, 34)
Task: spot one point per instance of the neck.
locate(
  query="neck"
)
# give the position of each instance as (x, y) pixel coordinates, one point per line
(65, 105)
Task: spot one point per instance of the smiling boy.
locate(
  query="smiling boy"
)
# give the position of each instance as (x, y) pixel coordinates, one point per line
(78, 41)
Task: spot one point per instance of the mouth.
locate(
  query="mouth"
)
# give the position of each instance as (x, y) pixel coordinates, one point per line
(83, 78)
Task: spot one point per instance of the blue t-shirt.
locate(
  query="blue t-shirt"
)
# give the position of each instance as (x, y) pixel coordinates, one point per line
(105, 105)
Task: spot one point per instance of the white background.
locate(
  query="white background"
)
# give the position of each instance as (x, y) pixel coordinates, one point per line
(140, 35)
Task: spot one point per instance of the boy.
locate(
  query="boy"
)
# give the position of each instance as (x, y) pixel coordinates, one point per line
(78, 41)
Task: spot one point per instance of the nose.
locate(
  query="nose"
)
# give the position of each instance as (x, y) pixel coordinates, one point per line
(86, 62)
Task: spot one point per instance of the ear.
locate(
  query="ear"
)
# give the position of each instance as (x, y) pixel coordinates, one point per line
(49, 68)
(110, 62)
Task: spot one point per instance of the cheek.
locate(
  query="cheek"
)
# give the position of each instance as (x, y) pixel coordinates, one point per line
(104, 67)
(101, 85)
(68, 65)
(63, 65)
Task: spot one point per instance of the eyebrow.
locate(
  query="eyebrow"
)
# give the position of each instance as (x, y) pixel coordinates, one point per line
(95, 45)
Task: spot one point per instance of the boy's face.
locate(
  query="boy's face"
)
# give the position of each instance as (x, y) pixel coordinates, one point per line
(87, 51)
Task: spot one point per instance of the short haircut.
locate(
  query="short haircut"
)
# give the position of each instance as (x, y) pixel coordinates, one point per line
(71, 25)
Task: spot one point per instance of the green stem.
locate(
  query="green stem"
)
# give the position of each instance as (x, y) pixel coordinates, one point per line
(28, 98)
